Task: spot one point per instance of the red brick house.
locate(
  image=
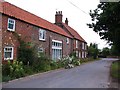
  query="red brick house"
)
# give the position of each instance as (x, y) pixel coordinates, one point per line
(55, 41)
(78, 43)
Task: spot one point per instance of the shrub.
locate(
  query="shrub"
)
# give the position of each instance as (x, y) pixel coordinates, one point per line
(6, 78)
(73, 54)
(5, 69)
(42, 63)
(60, 64)
(68, 61)
(76, 62)
(26, 53)
(115, 70)
(13, 70)
(54, 65)
(28, 70)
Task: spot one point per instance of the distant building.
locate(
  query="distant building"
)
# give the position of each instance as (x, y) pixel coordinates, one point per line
(55, 40)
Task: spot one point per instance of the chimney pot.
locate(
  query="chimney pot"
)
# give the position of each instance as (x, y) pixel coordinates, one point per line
(58, 17)
(56, 12)
(61, 12)
(66, 21)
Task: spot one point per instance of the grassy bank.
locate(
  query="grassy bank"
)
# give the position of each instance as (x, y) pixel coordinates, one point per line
(115, 70)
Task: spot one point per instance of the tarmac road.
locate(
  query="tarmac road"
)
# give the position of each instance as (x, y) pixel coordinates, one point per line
(90, 75)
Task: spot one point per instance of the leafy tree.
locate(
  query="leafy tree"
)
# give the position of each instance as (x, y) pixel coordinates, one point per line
(106, 51)
(93, 50)
(106, 22)
(113, 51)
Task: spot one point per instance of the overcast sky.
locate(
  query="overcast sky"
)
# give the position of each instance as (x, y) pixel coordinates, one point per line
(77, 12)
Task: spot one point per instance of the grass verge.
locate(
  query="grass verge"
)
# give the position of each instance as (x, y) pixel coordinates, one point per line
(115, 70)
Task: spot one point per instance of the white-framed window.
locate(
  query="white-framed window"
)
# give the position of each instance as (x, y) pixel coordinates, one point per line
(56, 49)
(83, 45)
(82, 54)
(76, 43)
(42, 34)
(67, 40)
(85, 54)
(8, 53)
(79, 54)
(11, 24)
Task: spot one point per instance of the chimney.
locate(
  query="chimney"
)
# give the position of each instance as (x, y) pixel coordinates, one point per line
(66, 21)
(58, 17)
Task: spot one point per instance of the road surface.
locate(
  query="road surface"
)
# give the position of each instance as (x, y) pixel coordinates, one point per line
(90, 75)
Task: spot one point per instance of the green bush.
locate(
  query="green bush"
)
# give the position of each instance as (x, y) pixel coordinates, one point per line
(5, 69)
(26, 53)
(115, 69)
(53, 65)
(42, 63)
(13, 70)
(73, 55)
(28, 70)
(6, 78)
(60, 64)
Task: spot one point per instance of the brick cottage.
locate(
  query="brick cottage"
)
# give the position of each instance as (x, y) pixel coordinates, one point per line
(55, 40)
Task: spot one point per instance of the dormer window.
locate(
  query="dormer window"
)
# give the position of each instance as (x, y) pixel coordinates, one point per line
(11, 24)
(42, 34)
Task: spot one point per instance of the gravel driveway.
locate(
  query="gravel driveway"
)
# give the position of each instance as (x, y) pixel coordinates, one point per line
(90, 75)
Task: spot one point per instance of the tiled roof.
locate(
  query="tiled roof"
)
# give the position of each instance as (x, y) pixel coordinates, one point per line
(21, 14)
(73, 32)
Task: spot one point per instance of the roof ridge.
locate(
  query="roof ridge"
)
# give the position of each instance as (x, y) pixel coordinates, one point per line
(71, 30)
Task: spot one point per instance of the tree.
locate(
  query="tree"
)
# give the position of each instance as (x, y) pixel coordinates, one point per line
(93, 50)
(113, 51)
(106, 22)
(106, 51)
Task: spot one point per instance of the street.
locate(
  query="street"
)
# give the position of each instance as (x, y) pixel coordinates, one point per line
(89, 75)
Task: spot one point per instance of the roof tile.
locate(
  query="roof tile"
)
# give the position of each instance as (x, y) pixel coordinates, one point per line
(21, 14)
(73, 32)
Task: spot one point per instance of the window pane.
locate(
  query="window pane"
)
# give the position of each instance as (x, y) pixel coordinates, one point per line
(57, 50)
(42, 34)
(52, 53)
(10, 26)
(11, 21)
(8, 54)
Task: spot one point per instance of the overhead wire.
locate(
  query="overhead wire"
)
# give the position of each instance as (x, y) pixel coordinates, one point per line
(77, 7)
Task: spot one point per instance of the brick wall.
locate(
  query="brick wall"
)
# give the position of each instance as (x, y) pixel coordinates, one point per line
(29, 32)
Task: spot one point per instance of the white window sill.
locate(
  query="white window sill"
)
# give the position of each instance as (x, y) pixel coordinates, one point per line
(12, 30)
(42, 39)
(8, 58)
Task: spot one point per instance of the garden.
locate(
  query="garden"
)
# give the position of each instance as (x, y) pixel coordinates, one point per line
(30, 62)
(18, 68)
